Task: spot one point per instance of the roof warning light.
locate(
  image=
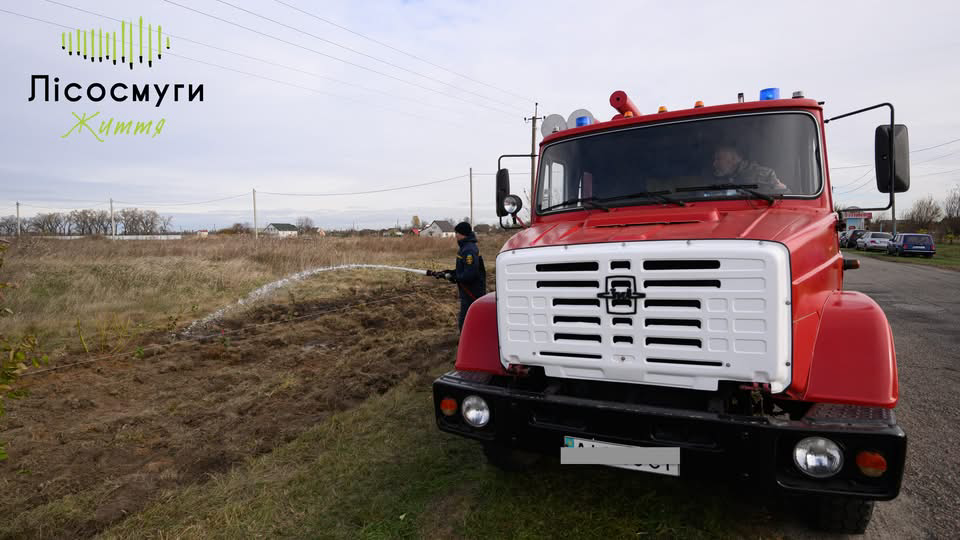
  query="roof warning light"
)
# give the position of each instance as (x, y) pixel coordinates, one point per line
(769, 93)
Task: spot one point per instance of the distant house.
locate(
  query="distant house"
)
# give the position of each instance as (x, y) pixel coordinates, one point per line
(440, 228)
(281, 230)
(483, 228)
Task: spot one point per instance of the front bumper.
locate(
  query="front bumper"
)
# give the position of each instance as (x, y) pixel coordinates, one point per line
(754, 448)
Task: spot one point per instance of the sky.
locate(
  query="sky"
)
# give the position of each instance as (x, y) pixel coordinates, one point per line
(312, 101)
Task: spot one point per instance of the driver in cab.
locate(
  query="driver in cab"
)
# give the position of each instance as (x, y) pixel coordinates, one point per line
(731, 167)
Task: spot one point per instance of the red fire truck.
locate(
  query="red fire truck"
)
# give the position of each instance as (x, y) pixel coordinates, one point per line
(679, 288)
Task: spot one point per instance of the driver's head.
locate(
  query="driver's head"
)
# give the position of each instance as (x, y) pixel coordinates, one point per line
(725, 160)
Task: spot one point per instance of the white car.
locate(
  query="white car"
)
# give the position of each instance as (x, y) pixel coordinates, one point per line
(874, 240)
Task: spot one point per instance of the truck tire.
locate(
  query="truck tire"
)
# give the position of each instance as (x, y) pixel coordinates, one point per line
(845, 515)
(509, 459)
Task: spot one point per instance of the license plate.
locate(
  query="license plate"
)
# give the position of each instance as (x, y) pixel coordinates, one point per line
(668, 469)
(920, 247)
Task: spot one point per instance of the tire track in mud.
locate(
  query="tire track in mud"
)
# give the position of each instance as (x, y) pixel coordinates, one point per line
(122, 432)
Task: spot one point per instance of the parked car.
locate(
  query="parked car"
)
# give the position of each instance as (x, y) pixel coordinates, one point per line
(874, 240)
(912, 244)
(851, 239)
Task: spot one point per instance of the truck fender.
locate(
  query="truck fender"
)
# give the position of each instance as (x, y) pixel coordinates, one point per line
(479, 348)
(854, 360)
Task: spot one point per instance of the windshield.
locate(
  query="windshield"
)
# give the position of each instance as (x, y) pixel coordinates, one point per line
(777, 154)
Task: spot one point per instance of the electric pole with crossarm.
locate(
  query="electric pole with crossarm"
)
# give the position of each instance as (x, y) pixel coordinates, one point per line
(533, 149)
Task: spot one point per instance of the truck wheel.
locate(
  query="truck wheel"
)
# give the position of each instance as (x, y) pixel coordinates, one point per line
(509, 459)
(845, 515)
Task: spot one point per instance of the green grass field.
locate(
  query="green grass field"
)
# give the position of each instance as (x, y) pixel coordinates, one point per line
(383, 470)
(947, 256)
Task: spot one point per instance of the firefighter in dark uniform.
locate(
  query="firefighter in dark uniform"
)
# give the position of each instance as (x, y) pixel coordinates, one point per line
(470, 274)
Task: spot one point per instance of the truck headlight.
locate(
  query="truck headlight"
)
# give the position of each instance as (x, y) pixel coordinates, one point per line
(475, 411)
(818, 457)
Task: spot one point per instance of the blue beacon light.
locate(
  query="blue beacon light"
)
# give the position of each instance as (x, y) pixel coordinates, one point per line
(583, 121)
(769, 93)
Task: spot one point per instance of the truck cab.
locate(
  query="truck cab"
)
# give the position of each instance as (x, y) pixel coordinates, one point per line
(680, 286)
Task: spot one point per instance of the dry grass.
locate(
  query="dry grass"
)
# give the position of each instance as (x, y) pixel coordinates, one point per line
(317, 427)
(111, 292)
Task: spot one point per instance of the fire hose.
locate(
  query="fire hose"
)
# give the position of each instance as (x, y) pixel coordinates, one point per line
(451, 276)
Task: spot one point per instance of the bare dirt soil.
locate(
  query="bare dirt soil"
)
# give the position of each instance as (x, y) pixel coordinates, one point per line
(95, 443)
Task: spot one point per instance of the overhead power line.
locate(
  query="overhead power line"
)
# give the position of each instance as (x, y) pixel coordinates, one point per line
(936, 173)
(272, 63)
(359, 66)
(262, 60)
(277, 81)
(57, 208)
(936, 158)
(847, 185)
(912, 152)
(354, 51)
(184, 203)
(934, 146)
(369, 191)
(314, 90)
(411, 55)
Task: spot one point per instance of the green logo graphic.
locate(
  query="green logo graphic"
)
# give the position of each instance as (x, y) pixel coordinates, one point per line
(100, 45)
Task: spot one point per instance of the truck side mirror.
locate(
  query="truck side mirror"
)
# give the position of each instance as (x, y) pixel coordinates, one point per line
(901, 153)
(503, 190)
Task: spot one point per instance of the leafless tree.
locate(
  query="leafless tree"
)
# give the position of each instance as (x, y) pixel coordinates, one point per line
(87, 222)
(239, 228)
(304, 224)
(136, 221)
(925, 212)
(50, 224)
(951, 210)
(8, 226)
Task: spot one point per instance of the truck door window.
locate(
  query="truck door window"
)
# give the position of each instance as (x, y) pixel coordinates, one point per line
(555, 189)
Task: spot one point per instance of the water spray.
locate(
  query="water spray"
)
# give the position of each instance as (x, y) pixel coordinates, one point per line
(265, 290)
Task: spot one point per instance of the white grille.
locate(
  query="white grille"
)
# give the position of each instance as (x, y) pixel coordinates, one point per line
(672, 313)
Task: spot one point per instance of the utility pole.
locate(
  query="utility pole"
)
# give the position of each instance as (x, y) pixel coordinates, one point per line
(18, 219)
(256, 233)
(533, 149)
(471, 196)
(113, 222)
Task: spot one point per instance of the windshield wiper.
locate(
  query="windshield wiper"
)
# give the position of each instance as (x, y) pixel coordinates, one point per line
(592, 202)
(658, 195)
(744, 188)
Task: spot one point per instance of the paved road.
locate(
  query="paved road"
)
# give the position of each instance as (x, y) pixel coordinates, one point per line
(923, 307)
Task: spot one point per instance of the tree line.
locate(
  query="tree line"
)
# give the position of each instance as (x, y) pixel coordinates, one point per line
(926, 214)
(85, 222)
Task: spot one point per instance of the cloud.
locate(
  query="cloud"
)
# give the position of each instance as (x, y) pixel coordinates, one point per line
(331, 126)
